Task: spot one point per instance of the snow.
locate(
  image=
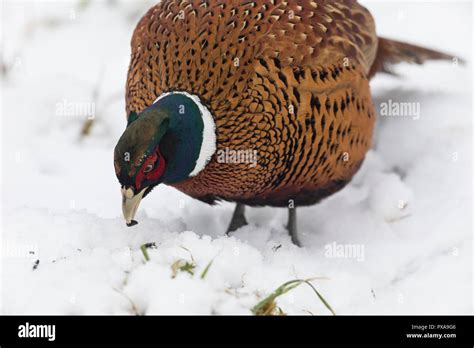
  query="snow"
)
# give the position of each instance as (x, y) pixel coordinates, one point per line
(404, 224)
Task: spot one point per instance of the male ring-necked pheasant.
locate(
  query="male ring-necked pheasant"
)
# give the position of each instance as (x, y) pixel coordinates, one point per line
(288, 79)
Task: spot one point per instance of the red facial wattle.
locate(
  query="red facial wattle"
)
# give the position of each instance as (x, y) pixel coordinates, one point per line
(158, 162)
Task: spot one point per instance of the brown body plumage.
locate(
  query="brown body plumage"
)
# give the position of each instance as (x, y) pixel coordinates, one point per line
(289, 79)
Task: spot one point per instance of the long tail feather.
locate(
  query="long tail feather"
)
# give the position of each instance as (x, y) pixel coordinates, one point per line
(390, 52)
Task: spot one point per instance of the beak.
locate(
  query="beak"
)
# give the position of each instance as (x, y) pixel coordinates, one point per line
(130, 203)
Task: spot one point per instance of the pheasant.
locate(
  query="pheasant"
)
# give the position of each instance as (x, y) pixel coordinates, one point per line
(284, 83)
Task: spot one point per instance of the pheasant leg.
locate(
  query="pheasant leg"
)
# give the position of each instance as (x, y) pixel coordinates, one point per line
(291, 226)
(238, 218)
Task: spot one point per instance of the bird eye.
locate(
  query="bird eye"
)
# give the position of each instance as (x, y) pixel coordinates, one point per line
(148, 168)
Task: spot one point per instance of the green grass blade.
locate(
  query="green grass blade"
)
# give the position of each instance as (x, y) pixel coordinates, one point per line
(321, 297)
(145, 252)
(268, 305)
(203, 274)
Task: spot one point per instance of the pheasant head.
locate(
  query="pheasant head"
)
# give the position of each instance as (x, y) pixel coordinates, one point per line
(168, 142)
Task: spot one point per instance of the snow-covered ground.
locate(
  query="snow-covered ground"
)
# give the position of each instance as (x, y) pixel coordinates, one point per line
(405, 221)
